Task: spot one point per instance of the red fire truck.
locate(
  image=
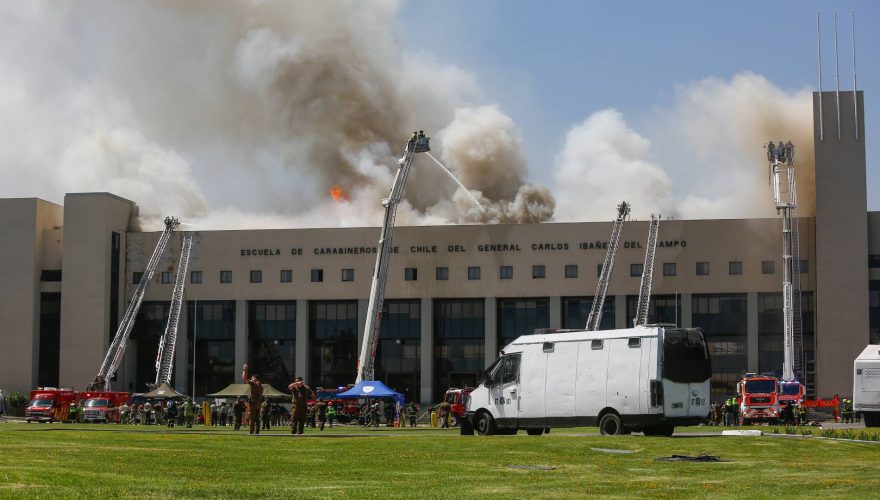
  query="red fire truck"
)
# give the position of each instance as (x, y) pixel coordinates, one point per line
(49, 404)
(346, 409)
(455, 398)
(791, 392)
(102, 406)
(758, 397)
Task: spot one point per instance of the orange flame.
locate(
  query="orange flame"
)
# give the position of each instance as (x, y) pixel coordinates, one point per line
(338, 194)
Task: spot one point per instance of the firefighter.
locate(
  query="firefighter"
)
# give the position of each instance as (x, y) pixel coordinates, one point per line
(71, 415)
(331, 414)
(730, 416)
(412, 413)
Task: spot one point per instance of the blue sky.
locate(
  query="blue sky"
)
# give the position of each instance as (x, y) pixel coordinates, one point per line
(549, 65)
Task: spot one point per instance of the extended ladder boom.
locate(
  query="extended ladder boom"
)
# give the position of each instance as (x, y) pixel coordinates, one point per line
(595, 317)
(781, 158)
(165, 357)
(117, 346)
(647, 273)
(418, 143)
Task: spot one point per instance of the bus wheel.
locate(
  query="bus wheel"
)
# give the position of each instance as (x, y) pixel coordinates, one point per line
(535, 432)
(485, 424)
(610, 425)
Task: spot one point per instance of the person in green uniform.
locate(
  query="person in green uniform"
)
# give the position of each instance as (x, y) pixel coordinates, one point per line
(331, 414)
(256, 399)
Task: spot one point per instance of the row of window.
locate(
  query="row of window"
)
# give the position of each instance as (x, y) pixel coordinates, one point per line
(473, 273)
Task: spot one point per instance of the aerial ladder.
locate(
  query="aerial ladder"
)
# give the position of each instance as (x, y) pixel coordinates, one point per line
(418, 143)
(647, 273)
(117, 347)
(595, 317)
(782, 170)
(165, 357)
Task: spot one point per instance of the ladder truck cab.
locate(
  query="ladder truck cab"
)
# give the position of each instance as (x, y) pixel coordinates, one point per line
(49, 404)
(791, 392)
(866, 385)
(647, 378)
(103, 406)
(758, 397)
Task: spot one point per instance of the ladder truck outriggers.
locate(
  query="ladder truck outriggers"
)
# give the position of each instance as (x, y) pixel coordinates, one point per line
(117, 347)
(165, 357)
(594, 320)
(417, 143)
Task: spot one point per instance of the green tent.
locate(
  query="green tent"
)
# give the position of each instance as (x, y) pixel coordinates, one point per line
(244, 391)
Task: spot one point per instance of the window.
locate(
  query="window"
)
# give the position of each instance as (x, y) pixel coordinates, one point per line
(596, 344)
(195, 277)
(136, 278)
(874, 261)
(804, 266)
(634, 342)
(166, 277)
(538, 272)
(473, 273)
(702, 269)
(548, 347)
(50, 275)
(256, 276)
(735, 267)
(669, 269)
(506, 272)
(317, 275)
(635, 270)
(410, 274)
(571, 271)
(225, 276)
(442, 273)
(768, 267)
(348, 275)
(286, 276)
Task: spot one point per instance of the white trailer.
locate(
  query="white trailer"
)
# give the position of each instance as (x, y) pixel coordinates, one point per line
(866, 385)
(647, 379)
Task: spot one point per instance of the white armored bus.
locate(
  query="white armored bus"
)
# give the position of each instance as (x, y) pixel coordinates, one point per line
(647, 379)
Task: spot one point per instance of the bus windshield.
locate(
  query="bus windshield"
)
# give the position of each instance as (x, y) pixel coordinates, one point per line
(685, 357)
(760, 386)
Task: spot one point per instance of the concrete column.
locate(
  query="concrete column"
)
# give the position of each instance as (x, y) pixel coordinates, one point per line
(490, 310)
(301, 363)
(426, 353)
(620, 319)
(555, 312)
(686, 320)
(752, 331)
(181, 352)
(240, 338)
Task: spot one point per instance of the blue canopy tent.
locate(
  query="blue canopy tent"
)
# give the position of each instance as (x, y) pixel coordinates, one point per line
(372, 389)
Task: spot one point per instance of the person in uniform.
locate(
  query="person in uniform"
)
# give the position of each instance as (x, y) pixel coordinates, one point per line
(412, 413)
(238, 412)
(444, 408)
(321, 410)
(299, 404)
(170, 413)
(331, 414)
(256, 399)
(188, 413)
(265, 414)
(148, 413)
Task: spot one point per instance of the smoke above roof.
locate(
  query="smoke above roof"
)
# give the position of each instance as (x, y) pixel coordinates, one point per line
(287, 114)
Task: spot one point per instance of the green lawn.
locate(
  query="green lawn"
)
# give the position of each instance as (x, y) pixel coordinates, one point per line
(58, 460)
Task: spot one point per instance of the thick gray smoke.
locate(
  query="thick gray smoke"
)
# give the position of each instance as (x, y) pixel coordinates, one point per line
(243, 114)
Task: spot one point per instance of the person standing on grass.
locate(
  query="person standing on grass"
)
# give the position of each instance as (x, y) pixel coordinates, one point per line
(2, 404)
(256, 399)
(299, 404)
(265, 414)
(331, 414)
(321, 409)
(238, 411)
(170, 414)
(189, 413)
(412, 413)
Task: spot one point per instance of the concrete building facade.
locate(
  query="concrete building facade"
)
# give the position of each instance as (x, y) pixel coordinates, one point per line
(293, 302)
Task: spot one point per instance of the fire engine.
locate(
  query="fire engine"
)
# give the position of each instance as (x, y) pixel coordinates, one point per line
(758, 397)
(457, 403)
(49, 404)
(102, 406)
(791, 393)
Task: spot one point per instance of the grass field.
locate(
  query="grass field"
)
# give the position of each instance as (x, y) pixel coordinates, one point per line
(58, 460)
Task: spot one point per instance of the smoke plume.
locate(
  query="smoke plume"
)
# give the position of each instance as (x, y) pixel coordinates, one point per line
(711, 142)
(239, 114)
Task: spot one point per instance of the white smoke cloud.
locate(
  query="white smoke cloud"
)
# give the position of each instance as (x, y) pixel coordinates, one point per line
(710, 142)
